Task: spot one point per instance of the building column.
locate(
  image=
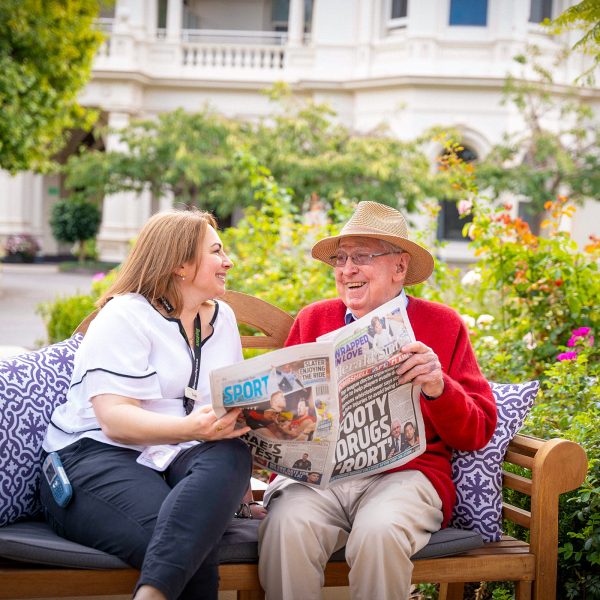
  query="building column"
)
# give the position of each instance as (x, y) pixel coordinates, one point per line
(22, 214)
(151, 22)
(296, 23)
(365, 35)
(124, 213)
(174, 19)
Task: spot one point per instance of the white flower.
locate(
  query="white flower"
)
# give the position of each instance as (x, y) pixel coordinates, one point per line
(484, 321)
(471, 277)
(529, 341)
(469, 321)
(489, 341)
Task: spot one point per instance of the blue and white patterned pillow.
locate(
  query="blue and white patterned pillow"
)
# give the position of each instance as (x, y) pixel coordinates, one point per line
(477, 475)
(31, 386)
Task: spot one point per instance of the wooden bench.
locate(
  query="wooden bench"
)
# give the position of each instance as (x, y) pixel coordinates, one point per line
(555, 466)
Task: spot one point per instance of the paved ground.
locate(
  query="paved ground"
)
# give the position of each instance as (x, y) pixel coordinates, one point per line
(22, 288)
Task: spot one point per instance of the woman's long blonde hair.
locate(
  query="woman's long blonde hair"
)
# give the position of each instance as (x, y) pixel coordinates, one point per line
(167, 241)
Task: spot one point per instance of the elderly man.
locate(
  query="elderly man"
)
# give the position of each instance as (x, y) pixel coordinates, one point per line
(381, 519)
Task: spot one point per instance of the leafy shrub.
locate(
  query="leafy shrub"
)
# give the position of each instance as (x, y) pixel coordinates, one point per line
(64, 315)
(75, 220)
(270, 247)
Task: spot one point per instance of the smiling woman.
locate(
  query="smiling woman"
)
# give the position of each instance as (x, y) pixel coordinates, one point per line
(139, 403)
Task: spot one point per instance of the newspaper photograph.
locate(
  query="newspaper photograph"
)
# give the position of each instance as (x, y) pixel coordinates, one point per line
(331, 409)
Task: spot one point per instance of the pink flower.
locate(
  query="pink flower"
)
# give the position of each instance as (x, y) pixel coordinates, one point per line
(567, 356)
(581, 332)
(98, 276)
(464, 207)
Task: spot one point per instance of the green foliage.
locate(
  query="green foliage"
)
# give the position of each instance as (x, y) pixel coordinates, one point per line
(270, 247)
(184, 154)
(531, 305)
(75, 221)
(585, 18)
(307, 151)
(194, 157)
(46, 53)
(538, 162)
(569, 407)
(64, 315)
(543, 288)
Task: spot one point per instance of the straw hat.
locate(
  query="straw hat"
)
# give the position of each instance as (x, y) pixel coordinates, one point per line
(374, 220)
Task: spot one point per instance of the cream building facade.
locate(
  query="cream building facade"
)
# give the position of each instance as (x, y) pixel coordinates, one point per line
(410, 63)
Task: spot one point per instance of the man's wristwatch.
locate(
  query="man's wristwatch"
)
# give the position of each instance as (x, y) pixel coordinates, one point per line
(244, 511)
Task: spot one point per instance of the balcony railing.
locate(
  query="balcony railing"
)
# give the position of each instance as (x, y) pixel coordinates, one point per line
(234, 37)
(205, 48)
(237, 57)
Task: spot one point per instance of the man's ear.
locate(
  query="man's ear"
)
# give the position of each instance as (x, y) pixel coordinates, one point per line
(401, 267)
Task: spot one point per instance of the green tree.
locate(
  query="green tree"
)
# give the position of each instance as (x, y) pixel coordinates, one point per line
(186, 155)
(46, 53)
(75, 220)
(308, 151)
(543, 160)
(270, 246)
(585, 18)
(193, 156)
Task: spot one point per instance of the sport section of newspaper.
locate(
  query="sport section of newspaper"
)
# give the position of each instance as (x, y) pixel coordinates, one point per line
(331, 409)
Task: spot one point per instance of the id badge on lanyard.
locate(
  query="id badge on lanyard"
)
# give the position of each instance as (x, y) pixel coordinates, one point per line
(191, 394)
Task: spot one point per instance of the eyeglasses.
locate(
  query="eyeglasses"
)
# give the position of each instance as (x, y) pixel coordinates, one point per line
(359, 259)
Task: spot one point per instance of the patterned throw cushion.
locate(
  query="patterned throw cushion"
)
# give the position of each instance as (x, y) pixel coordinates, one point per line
(31, 385)
(478, 474)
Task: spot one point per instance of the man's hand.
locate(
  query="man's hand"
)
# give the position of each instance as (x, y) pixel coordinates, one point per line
(422, 368)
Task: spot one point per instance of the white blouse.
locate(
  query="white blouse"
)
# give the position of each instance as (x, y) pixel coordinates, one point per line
(131, 350)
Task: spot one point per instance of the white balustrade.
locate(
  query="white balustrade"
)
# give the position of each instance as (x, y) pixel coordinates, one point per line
(239, 57)
(206, 48)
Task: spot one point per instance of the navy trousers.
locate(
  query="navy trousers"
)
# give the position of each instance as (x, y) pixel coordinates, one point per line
(168, 524)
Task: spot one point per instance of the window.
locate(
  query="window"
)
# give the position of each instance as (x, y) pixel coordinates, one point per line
(468, 12)
(399, 9)
(280, 14)
(450, 224)
(540, 10)
(162, 14)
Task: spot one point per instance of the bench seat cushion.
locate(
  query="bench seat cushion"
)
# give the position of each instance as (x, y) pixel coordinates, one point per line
(35, 542)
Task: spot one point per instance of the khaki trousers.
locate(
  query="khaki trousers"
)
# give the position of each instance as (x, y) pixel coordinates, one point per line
(382, 520)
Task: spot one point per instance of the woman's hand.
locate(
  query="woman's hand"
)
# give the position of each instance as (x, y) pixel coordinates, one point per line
(207, 427)
(422, 368)
(124, 420)
(258, 511)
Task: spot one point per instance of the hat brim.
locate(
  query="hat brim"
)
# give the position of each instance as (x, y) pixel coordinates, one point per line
(421, 262)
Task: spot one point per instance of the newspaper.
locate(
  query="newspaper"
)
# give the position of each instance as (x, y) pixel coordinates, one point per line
(331, 409)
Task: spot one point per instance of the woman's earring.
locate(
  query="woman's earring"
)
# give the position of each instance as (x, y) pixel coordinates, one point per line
(182, 275)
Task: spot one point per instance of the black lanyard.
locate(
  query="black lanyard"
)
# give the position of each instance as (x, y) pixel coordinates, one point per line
(188, 403)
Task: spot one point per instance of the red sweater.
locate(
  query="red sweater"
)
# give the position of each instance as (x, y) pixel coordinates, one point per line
(463, 417)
